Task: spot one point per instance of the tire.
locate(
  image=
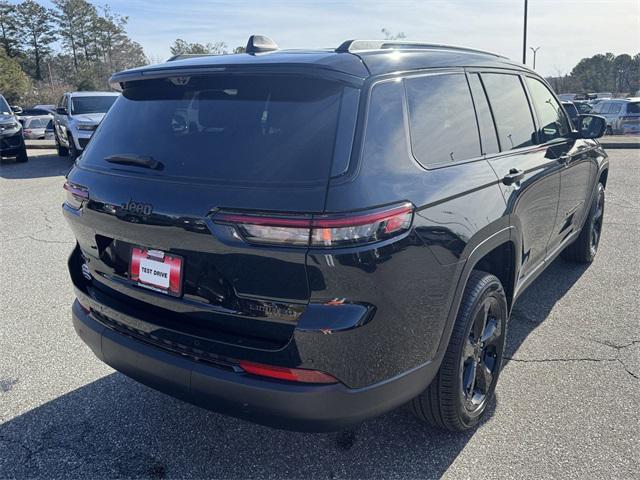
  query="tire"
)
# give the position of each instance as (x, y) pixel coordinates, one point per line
(453, 401)
(73, 151)
(609, 130)
(22, 156)
(62, 151)
(585, 247)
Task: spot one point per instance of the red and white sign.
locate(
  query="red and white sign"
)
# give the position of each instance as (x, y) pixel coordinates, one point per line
(156, 270)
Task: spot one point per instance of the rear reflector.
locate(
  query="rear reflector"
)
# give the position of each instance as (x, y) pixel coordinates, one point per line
(332, 230)
(84, 305)
(289, 374)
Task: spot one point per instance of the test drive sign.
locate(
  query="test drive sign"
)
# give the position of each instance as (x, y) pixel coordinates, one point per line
(156, 270)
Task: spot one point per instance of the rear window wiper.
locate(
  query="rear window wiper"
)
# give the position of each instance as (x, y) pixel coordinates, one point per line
(136, 160)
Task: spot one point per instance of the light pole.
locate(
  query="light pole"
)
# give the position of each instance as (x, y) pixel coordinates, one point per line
(534, 50)
(524, 36)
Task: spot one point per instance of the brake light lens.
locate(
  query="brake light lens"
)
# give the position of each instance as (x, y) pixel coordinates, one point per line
(289, 374)
(333, 230)
(75, 194)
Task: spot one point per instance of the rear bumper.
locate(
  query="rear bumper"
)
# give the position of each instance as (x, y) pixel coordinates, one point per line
(270, 402)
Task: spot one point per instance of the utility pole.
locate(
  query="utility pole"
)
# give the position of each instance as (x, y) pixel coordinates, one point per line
(51, 79)
(524, 37)
(534, 50)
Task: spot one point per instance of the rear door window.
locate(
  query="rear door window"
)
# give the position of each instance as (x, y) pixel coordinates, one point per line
(510, 110)
(485, 119)
(553, 122)
(615, 108)
(229, 128)
(604, 107)
(633, 107)
(441, 119)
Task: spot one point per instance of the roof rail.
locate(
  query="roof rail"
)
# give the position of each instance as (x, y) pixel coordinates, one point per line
(352, 46)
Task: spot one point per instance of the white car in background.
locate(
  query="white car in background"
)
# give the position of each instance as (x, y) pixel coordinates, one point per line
(33, 128)
(77, 116)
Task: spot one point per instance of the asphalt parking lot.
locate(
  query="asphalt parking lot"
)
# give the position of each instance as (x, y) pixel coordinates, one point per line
(567, 401)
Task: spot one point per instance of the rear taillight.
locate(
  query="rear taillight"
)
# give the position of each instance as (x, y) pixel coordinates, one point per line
(334, 230)
(289, 374)
(76, 194)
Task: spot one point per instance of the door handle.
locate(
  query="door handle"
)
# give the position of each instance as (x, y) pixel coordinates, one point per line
(513, 176)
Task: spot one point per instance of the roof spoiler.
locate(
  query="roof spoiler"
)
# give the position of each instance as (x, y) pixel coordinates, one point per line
(182, 56)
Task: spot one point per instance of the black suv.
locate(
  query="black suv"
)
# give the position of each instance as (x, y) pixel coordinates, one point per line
(11, 140)
(307, 239)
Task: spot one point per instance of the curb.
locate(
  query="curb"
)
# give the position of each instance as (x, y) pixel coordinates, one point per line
(634, 145)
(41, 145)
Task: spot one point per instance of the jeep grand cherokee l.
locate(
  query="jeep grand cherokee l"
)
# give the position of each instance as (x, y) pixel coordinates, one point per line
(307, 239)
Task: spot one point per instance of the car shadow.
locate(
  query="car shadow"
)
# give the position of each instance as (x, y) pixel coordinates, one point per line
(40, 165)
(115, 427)
(537, 301)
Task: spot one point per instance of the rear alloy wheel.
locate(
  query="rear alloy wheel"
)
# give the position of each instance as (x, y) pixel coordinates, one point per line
(585, 247)
(458, 397)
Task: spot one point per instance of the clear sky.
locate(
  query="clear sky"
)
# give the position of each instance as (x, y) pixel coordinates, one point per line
(565, 30)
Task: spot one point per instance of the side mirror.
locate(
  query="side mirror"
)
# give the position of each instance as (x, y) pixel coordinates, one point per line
(591, 126)
(16, 109)
(61, 111)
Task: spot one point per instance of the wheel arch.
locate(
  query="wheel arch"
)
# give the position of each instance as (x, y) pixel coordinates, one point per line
(497, 255)
(604, 175)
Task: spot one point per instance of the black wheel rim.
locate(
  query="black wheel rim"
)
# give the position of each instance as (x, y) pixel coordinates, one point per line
(481, 355)
(596, 223)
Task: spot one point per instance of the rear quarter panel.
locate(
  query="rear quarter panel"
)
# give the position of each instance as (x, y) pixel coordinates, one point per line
(414, 283)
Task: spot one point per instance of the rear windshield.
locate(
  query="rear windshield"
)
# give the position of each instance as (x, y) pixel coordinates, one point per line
(34, 111)
(232, 128)
(633, 107)
(98, 104)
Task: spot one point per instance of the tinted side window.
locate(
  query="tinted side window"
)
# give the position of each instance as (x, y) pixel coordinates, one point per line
(441, 119)
(510, 109)
(485, 120)
(604, 107)
(633, 107)
(385, 136)
(552, 119)
(615, 108)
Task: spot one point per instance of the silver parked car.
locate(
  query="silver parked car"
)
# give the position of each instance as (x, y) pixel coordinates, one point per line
(623, 116)
(77, 116)
(33, 128)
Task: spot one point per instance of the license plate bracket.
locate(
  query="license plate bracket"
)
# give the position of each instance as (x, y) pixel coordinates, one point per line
(156, 270)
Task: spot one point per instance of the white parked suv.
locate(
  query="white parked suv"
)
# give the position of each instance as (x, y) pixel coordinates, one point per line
(77, 116)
